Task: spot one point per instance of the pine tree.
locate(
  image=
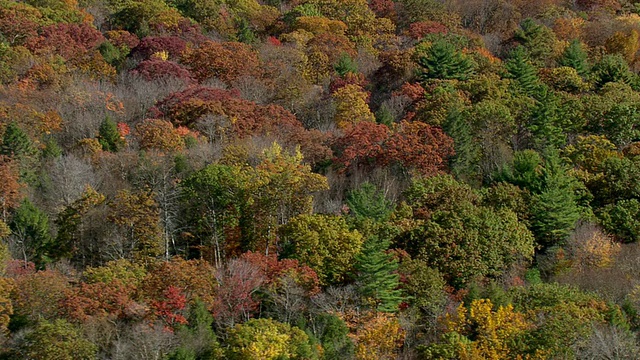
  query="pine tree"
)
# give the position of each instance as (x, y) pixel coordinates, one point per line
(612, 68)
(465, 163)
(554, 209)
(346, 65)
(368, 202)
(376, 275)
(522, 71)
(109, 137)
(443, 61)
(545, 122)
(575, 57)
(30, 229)
(16, 143)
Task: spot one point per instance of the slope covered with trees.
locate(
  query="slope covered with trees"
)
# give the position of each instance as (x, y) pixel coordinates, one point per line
(319, 179)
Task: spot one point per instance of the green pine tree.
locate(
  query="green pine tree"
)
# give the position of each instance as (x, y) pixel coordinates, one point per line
(30, 227)
(545, 123)
(575, 57)
(346, 65)
(16, 143)
(465, 163)
(554, 208)
(109, 137)
(443, 61)
(376, 275)
(522, 71)
(368, 202)
(612, 68)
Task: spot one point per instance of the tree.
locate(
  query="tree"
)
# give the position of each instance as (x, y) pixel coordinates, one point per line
(137, 216)
(10, 187)
(226, 61)
(521, 70)
(575, 57)
(270, 340)
(376, 275)
(57, 340)
(197, 339)
(17, 145)
(324, 243)
(351, 106)
(443, 61)
(158, 134)
(30, 232)
(482, 332)
(367, 202)
(109, 137)
(68, 242)
(460, 237)
(611, 68)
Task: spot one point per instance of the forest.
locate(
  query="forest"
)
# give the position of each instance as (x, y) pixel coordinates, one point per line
(319, 179)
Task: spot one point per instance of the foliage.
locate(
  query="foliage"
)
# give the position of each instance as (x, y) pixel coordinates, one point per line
(269, 339)
(442, 61)
(324, 242)
(57, 340)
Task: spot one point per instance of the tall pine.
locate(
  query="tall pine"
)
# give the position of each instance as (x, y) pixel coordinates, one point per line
(443, 61)
(575, 57)
(521, 70)
(377, 278)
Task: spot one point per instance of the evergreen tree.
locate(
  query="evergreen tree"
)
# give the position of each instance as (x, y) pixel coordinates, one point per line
(545, 123)
(109, 137)
(522, 71)
(368, 202)
(575, 57)
(30, 229)
(245, 34)
(16, 143)
(384, 116)
(376, 275)
(443, 61)
(612, 68)
(465, 162)
(345, 65)
(554, 209)
(537, 39)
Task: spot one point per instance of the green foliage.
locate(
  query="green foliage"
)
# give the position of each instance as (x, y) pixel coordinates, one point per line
(109, 137)
(574, 56)
(562, 316)
(265, 339)
(462, 238)
(57, 340)
(376, 275)
(30, 226)
(367, 202)
(197, 339)
(537, 39)
(554, 209)
(384, 116)
(443, 61)
(15, 142)
(324, 243)
(611, 68)
(333, 335)
(521, 70)
(424, 286)
(346, 65)
(622, 219)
